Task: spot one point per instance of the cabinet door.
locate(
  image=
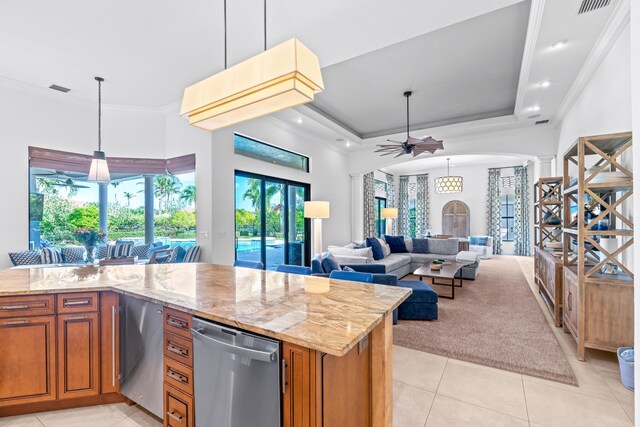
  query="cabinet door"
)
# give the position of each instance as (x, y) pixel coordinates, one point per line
(78, 355)
(109, 342)
(27, 360)
(296, 406)
(570, 302)
(178, 408)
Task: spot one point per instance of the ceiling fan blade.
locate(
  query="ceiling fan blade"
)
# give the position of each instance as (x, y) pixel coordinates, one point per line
(387, 145)
(397, 142)
(389, 153)
(79, 186)
(401, 154)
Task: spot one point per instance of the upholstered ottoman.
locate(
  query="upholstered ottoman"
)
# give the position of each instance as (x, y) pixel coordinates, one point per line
(422, 304)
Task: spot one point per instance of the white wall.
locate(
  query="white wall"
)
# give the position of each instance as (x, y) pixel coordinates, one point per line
(46, 119)
(329, 180)
(635, 108)
(604, 105)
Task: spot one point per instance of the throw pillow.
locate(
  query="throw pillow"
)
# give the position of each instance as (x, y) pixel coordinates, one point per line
(483, 240)
(386, 250)
(119, 250)
(31, 257)
(192, 254)
(420, 246)
(72, 254)
(473, 240)
(329, 262)
(376, 248)
(140, 251)
(51, 256)
(347, 268)
(339, 251)
(443, 246)
(396, 243)
(359, 245)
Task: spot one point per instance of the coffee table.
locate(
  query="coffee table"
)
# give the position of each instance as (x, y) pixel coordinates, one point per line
(448, 272)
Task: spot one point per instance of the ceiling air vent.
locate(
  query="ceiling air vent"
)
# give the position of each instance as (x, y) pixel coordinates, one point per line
(542, 122)
(59, 88)
(591, 5)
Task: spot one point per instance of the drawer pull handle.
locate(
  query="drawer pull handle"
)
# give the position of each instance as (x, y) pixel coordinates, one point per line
(173, 415)
(16, 322)
(76, 318)
(72, 303)
(177, 349)
(176, 324)
(178, 377)
(15, 307)
(569, 301)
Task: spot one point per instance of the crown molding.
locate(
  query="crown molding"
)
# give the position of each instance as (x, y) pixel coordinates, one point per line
(533, 28)
(619, 18)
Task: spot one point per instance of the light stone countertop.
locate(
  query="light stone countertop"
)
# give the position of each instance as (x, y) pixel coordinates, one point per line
(331, 316)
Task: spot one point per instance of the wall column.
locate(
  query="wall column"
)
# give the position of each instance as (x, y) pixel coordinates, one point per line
(148, 208)
(357, 207)
(543, 167)
(103, 206)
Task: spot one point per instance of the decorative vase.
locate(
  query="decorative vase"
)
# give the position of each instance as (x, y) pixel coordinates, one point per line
(90, 250)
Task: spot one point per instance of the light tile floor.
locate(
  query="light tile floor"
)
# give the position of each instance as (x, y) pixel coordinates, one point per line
(435, 391)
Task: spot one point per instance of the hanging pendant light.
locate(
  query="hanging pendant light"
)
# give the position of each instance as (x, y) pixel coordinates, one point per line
(449, 184)
(99, 170)
(281, 77)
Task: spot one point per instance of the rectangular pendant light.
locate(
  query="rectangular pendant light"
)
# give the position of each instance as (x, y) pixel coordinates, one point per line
(282, 77)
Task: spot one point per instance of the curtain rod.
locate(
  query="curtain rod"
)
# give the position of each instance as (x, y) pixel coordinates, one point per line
(416, 174)
(507, 167)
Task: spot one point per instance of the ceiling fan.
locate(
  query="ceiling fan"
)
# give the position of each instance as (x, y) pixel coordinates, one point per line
(412, 145)
(59, 178)
(69, 183)
(63, 174)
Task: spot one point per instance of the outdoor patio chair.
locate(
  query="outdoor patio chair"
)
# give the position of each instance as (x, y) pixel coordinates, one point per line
(294, 269)
(257, 265)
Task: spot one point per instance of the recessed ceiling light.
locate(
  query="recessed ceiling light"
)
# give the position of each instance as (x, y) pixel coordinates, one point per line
(299, 120)
(348, 143)
(559, 44)
(544, 83)
(59, 88)
(535, 107)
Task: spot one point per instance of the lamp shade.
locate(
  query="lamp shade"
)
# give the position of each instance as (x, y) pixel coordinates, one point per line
(316, 209)
(448, 184)
(284, 76)
(99, 170)
(389, 213)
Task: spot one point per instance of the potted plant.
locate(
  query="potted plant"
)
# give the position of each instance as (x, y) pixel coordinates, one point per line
(89, 238)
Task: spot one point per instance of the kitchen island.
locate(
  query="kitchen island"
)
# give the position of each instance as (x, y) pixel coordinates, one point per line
(58, 328)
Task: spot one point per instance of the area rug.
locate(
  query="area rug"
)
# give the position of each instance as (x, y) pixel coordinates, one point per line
(495, 321)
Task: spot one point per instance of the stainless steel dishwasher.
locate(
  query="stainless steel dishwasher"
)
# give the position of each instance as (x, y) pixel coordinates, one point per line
(236, 377)
(141, 353)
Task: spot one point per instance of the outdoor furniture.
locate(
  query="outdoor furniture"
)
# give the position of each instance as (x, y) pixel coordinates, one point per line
(160, 256)
(422, 304)
(352, 276)
(256, 265)
(447, 273)
(293, 269)
(130, 260)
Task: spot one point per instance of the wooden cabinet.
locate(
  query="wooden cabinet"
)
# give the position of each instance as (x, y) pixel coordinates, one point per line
(27, 359)
(178, 408)
(78, 355)
(109, 342)
(321, 389)
(571, 306)
(178, 369)
(548, 276)
(36, 305)
(79, 302)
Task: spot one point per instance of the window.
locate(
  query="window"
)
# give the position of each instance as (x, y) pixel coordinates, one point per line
(259, 150)
(62, 200)
(381, 223)
(507, 209)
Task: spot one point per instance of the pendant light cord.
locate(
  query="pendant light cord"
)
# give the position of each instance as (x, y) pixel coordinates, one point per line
(265, 24)
(99, 79)
(408, 117)
(225, 34)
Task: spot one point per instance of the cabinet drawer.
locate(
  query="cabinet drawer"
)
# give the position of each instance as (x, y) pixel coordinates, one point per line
(178, 348)
(177, 322)
(178, 375)
(81, 302)
(178, 408)
(32, 305)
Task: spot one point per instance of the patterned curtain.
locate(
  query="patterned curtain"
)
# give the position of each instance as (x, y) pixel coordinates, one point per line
(521, 239)
(422, 206)
(369, 202)
(494, 217)
(391, 201)
(403, 206)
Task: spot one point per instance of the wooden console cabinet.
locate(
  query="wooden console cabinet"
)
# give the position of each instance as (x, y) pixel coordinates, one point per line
(548, 275)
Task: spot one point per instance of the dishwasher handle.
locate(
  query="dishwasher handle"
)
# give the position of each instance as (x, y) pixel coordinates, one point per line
(263, 356)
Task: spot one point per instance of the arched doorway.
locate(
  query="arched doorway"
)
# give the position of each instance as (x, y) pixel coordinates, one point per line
(455, 219)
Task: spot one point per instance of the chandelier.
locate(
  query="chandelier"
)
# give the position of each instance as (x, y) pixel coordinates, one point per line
(449, 184)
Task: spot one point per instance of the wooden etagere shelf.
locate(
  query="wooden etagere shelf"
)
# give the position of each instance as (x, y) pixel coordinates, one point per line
(547, 205)
(598, 284)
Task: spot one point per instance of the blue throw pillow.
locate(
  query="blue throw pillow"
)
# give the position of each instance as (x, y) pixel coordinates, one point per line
(473, 240)
(420, 246)
(376, 248)
(396, 244)
(329, 263)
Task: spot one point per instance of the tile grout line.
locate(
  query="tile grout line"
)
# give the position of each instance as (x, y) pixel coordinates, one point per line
(436, 392)
(526, 403)
(484, 407)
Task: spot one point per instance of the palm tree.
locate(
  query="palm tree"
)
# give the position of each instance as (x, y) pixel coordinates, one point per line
(115, 187)
(128, 196)
(188, 195)
(165, 186)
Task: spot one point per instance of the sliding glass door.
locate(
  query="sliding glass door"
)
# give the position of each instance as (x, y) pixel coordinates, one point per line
(270, 223)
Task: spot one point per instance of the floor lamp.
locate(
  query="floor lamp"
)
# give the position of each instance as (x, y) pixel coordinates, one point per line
(316, 210)
(389, 214)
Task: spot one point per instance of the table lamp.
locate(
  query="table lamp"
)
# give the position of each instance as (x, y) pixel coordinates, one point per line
(389, 214)
(316, 210)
